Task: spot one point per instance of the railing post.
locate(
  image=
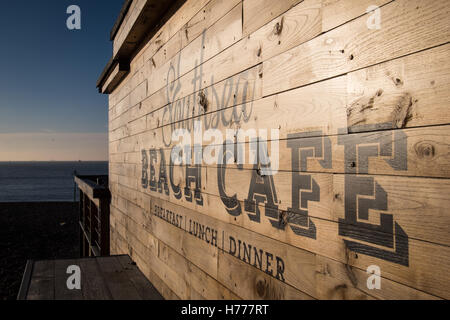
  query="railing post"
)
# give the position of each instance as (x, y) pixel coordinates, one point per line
(95, 200)
(104, 227)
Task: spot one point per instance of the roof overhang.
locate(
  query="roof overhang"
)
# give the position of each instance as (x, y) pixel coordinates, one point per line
(150, 19)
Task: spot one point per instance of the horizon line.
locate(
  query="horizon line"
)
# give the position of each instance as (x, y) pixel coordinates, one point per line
(3, 161)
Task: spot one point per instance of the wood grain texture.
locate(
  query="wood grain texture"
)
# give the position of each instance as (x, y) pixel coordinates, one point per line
(363, 125)
(338, 12)
(346, 48)
(42, 284)
(217, 38)
(329, 246)
(259, 12)
(406, 92)
(304, 273)
(292, 28)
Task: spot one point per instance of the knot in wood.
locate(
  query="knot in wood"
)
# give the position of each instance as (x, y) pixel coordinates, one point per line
(261, 288)
(203, 101)
(425, 150)
(278, 28)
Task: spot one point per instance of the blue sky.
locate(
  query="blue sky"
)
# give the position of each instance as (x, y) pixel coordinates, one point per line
(48, 73)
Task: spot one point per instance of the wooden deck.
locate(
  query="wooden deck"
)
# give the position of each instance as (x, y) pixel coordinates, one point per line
(102, 278)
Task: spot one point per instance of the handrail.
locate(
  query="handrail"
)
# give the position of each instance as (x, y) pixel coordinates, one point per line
(94, 202)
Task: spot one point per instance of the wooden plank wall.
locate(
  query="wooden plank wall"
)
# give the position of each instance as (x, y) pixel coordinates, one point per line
(364, 151)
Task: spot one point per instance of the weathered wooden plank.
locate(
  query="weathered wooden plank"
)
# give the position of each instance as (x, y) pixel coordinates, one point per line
(298, 273)
(299, 266)
(301, 23)
(179, 241)
(120, 19)
(319, 113)
(118, 242)
(175, 280)
(42, 284)
(241, 88)
(148, 257)
(200, 282)
(406, 92)
(214, 206)
(346, 48)
(252, 284)
(128, 21)
(164, 54)
(142, 23)
(116, 76)
(284, 103)
(62, 292)
(350, 287)
(366, 126)
(338, 12)
(26, 279)
(410, 152)
(124, 168)
(93, 285)
(136, 197)
(418, 205)
(332, 278)
(139, 93)
(118, 283)
(142, 285)
(159, 284)
(253, 116)
(418, 152)
(259, 12)
(171, 27)
(407, 197)
(204, 257)
(218, 37)
(191, 272)
(373, 99)
(138, 229)
(121, 105)
(205, 18)
(189, 9)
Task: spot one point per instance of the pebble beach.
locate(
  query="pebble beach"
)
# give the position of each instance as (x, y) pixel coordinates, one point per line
(37, 231)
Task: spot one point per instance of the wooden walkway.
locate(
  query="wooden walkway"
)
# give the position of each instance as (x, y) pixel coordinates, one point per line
(102, 278)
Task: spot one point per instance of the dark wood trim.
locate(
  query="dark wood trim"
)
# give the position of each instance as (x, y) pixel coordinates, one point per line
(105, 73)
(26, 279)
(104, 227)
(91, 188)
(118, 72)
(94, 222)
(152, 17)
(123, 12)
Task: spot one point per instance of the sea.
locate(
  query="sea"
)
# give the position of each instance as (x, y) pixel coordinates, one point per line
(43, 181)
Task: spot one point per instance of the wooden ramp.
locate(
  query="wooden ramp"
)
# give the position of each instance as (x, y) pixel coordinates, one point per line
(102, 278)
